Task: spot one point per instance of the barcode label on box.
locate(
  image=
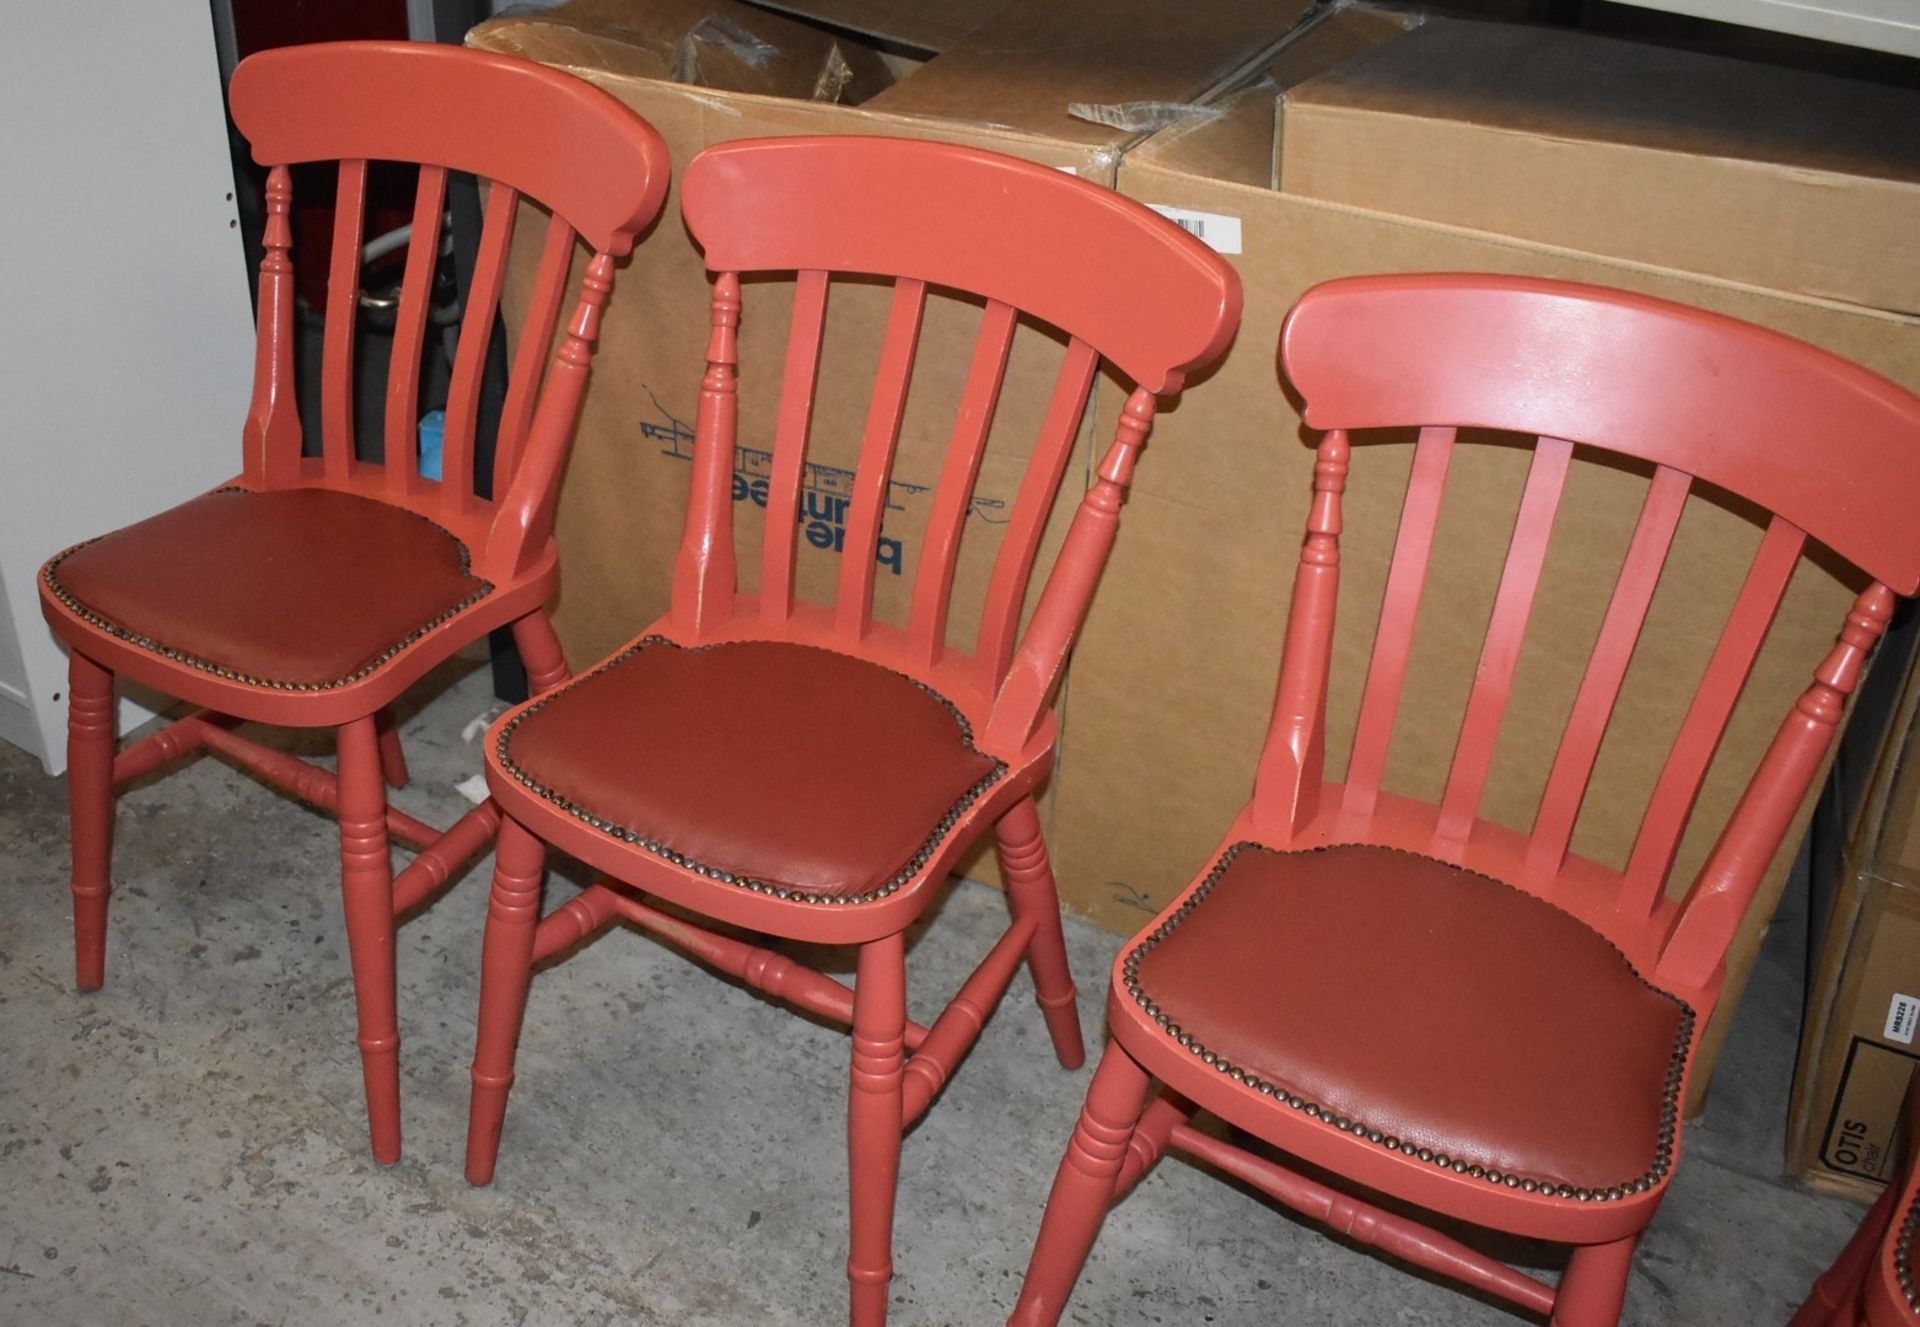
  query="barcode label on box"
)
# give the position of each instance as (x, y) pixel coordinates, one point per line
(1216, 230)
(1903, 1015)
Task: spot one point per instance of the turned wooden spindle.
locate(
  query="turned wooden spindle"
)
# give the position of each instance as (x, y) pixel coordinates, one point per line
(703, 578)
(525, 519)
(1287, 788)
(271, 436)
(1042, 655)
(1727, 883)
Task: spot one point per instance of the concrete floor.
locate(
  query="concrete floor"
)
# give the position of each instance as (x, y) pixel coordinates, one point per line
(189, 1146)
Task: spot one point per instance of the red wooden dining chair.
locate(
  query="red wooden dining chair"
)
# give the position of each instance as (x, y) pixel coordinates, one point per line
(1471, 1020)
(1871, 1283)
(310, 591)
(802, 769)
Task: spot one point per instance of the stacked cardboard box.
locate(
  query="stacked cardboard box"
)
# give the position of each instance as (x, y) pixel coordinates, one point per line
(1169, 691)
(1858, 1047)
(1176, 668)
(1068, 85)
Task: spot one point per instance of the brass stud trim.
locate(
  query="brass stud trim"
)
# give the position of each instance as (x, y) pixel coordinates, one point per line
(67, 600)
(1903, 1255)
(1669, 1111)
(786, 893)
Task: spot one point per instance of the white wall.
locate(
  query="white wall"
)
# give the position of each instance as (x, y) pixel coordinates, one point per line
(126, 330)
(1880, 25)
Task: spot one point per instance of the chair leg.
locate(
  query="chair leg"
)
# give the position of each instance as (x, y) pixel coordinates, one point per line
(506, 968)
(1834, 1295)
(874, 1123)
(1595, 1285)
(90, 743)
(393, 761)
(540, 652)
(1083, 1188)
(1030, 892)
(366, 888)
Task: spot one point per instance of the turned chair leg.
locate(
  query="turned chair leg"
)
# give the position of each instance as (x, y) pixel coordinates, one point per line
(506, 967)
(1083, 1188)
(874, 1123)
(1030, 893)
(1594, 1288)
(393, 761)
(90, 743)
(540, 653)
(366, 888)
(1836, 1295)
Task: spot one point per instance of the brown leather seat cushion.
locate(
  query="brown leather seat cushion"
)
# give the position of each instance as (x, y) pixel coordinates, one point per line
(789, 767)
(297, 588)
(1429, 1008)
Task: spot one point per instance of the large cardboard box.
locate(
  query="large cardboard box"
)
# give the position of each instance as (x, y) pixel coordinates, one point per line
(1845, 1121)
(1858, 1047)
(1787, 179)
(1175, 672)
(1069, 85)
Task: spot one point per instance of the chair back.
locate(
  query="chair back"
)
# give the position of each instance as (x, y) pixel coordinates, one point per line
(1829, 451)
(527, 133)
(1112, 278)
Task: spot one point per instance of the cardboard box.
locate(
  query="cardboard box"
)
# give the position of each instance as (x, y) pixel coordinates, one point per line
(1846, 1114)
(1174, 675)
(1857, 1044)
(1069, 85)
(1791, 180)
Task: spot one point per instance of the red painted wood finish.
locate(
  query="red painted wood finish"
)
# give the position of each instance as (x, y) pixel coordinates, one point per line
(1121, 283)
(1868, 1284)
(1831, 449)
(529, 132)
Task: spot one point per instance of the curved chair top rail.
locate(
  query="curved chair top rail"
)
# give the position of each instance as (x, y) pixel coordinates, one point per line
(1746, 409)
(1088, 262)
(543, 133)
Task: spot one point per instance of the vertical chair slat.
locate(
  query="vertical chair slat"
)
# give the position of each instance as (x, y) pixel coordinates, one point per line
(940, 553)
(476, 333)
(790, 445)
(343, 319)
(1406, 578)
(1606, 669)
(1686, 768)
(1506, 630)
(530, 353)
(853, 604)
(410, 327)
(1007, 589)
